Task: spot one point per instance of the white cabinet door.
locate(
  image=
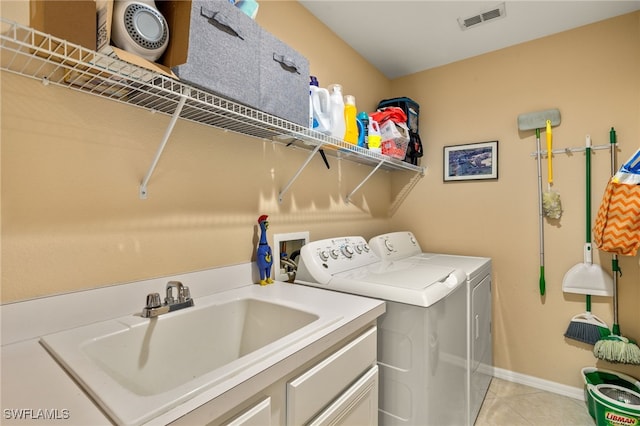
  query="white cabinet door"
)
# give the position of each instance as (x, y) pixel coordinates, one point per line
(315, 389)
(258, 415)
(357, 406)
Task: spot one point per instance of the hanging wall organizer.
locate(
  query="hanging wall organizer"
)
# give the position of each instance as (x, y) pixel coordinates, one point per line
(568, 151)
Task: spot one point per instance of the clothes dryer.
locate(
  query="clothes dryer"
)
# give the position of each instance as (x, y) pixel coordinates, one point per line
(422, 345)
(396, 246)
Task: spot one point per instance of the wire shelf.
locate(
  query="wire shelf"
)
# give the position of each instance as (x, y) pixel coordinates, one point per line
(41, 56)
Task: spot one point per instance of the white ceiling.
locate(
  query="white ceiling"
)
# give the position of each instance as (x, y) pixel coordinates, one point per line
(404, 37)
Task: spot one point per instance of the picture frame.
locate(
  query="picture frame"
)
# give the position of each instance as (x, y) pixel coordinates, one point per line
(473, 161)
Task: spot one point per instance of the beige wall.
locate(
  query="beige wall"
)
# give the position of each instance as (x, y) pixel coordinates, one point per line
(71, 165)
(591, 75)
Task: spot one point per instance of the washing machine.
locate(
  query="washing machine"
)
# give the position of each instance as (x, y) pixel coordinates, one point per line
(403, 245)
(422, 345)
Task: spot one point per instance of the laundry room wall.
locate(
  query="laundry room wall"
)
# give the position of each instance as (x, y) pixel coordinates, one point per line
(72, 163)
(591, 75)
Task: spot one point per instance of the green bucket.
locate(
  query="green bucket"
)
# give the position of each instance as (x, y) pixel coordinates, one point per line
(613, 399)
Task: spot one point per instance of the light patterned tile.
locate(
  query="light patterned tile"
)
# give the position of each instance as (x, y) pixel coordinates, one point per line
(512, 404)
(501, 388)
(545, 408)
(495, 412)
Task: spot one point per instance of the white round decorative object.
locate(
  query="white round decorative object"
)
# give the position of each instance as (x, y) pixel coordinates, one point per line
(138, 27)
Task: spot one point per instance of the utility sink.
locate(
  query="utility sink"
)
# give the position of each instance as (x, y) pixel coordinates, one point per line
(138, 368)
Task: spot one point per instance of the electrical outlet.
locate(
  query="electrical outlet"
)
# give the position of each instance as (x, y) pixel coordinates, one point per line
(286, 250)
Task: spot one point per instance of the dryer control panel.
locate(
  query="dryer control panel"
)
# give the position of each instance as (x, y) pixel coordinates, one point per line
(319, 260)
(395, 245)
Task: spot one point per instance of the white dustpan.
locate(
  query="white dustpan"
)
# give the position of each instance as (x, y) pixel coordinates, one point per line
(587, 278)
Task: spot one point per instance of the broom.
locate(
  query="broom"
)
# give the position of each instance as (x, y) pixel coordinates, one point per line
(615, 348)
(586, 327)
(587, 277)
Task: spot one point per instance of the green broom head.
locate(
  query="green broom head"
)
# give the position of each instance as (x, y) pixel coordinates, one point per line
(617, 349)
(587, 328)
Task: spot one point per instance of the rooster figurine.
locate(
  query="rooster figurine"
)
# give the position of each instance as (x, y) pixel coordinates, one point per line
(264, 256)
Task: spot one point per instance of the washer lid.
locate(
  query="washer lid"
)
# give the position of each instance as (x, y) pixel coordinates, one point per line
(403, 282)
(473, 266)
(403, 274)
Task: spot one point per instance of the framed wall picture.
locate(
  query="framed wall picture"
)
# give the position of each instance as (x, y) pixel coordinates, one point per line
(472, 161)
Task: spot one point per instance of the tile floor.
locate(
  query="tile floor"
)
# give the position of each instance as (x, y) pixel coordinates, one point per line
(512, 404)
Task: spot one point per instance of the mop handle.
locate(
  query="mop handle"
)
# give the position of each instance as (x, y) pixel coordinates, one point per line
(587, 151)
(549, 153)
(541, 281)
(614, 260)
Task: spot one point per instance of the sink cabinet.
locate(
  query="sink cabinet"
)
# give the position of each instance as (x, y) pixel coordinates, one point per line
(339, 386)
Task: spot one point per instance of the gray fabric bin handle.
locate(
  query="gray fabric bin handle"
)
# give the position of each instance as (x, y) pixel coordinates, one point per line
(286, 63)
(220, 21)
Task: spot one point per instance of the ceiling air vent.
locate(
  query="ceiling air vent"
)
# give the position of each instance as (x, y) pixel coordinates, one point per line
(485, 16)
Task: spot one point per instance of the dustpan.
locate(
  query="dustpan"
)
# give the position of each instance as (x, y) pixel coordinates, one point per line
(585, 277)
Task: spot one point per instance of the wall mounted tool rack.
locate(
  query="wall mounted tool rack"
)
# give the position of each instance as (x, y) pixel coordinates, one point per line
(569, 151)
(37, 55)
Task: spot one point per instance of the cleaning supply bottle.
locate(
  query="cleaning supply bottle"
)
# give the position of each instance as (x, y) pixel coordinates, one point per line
(338, 126)
(375, 138)
(320, 108)
(313, 123)
(363, 136)
(350, 122)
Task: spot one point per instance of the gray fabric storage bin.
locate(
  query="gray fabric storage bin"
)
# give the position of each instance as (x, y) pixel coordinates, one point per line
(284, 81)
(223, 51)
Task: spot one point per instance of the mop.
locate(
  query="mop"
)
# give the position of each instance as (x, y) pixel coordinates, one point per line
(616, 348)
(530, 121)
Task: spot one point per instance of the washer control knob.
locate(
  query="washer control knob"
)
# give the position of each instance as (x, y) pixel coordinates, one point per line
(335, 253)
(347, 251)
(358, 248)
(324, 255)
(365, 247)
(413, 240)
(388, 245)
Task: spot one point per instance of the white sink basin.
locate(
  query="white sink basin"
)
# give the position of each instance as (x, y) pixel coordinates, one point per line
(158, 355)
(138, 368)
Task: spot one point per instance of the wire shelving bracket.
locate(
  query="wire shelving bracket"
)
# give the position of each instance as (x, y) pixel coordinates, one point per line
(34, 54)
(163, 143)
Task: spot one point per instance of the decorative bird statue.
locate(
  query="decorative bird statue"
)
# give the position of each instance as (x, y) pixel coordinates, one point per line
(264, 255)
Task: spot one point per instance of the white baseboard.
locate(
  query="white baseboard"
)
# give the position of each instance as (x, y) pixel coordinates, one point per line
(534, 382)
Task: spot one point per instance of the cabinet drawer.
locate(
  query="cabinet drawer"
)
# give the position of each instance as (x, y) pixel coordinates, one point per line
(315, 389)
(258, 415)
(358, 405)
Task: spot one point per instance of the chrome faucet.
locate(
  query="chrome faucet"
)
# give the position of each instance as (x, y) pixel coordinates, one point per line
(154, 307)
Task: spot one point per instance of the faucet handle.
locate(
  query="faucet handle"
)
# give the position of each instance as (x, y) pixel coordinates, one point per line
(153, 300)
(186, 293)
(169, 300)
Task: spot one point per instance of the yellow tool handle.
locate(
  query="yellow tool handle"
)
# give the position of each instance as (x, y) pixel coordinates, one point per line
(549, 153)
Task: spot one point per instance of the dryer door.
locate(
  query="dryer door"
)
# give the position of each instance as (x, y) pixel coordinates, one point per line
(481, 344)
